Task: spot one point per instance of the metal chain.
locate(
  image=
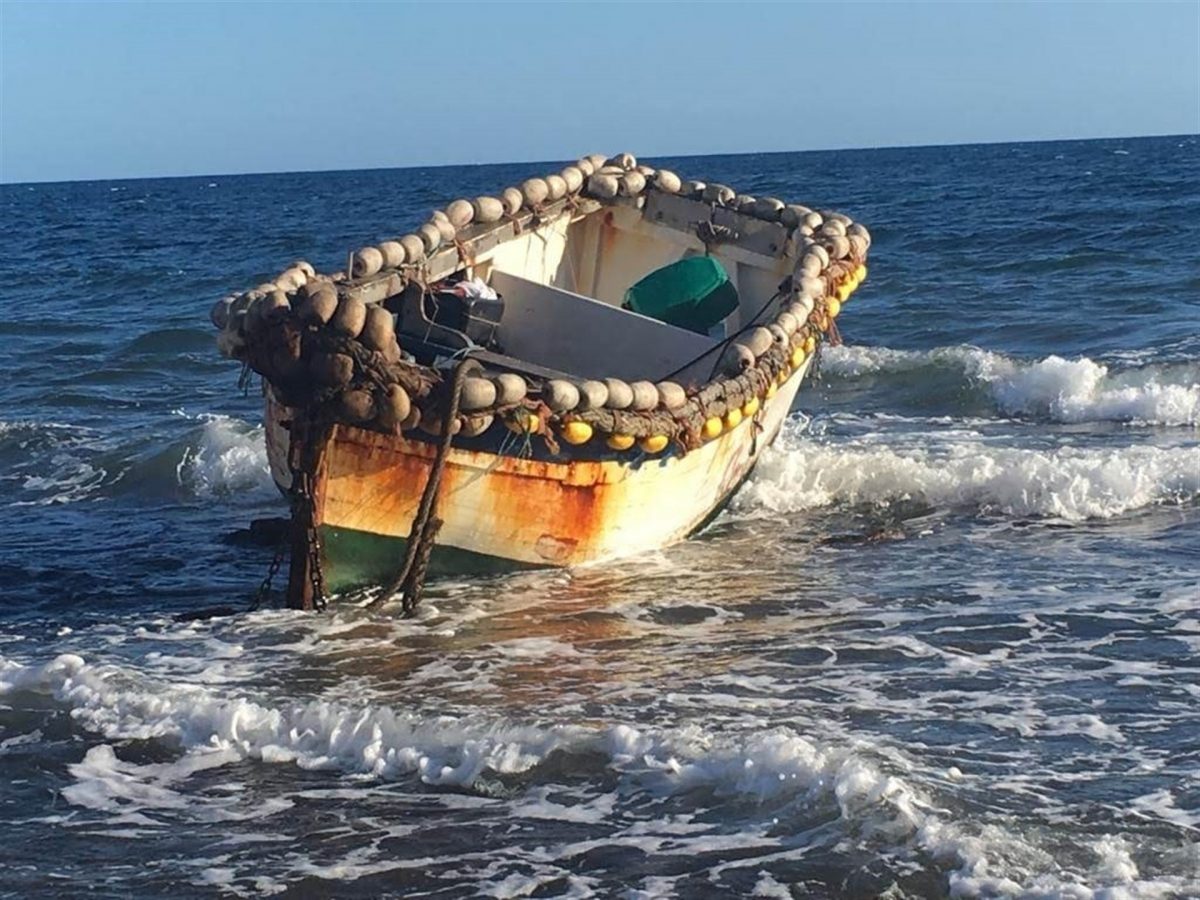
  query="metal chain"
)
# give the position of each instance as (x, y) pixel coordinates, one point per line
(302, 493)
(264, 589)
(316, 574)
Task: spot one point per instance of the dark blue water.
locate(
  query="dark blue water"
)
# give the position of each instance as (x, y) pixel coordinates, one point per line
(944, 642)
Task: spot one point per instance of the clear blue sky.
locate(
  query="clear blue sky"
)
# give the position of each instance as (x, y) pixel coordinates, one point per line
(110, 90)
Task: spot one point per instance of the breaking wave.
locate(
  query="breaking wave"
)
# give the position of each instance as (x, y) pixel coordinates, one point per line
(50, 464)
(1066, 482)
(1054, 388)
(226, 457)
(771, 766)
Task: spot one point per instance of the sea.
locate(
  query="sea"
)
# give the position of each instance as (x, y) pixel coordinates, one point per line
(945, 642)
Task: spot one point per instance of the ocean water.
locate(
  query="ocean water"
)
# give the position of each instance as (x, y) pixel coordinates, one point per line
(945, 642)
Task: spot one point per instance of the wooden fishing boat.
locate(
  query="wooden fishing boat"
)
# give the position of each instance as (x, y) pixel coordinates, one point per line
(581, 368)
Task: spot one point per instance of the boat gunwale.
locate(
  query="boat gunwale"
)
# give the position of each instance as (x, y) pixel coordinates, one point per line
(479, 239)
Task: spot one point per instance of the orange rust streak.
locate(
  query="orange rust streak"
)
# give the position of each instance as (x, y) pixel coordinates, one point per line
(562, 516)
(377, 491)
(553, 510)
(549, 512)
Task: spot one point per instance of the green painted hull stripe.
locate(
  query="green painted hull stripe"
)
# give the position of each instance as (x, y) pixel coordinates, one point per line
(359, 558)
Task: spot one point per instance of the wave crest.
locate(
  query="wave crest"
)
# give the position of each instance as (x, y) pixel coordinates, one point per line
(229, 457)
(1070, 483)
(1054, 388)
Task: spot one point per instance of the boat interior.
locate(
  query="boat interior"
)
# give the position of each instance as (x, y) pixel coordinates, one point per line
(563, 293)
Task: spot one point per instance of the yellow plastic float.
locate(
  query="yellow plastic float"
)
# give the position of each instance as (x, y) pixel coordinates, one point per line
(577, 432)
(656, 443)
(524, 423)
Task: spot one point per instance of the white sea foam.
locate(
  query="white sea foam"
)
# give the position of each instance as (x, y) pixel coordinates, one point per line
(228, 457)
(22, 431)
(1082, 390)
(857, 360)
(57, 462)
(766, 886)
(1070, 483)
(71, 481)
(772, 765)
(1115, 864)
(1062, 390)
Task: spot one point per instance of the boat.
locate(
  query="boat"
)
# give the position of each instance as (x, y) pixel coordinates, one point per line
(582, 367)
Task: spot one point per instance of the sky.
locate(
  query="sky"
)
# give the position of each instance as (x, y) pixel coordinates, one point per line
(103, 90)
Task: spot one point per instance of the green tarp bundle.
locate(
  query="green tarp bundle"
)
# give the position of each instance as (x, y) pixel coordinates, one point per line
(693, 293)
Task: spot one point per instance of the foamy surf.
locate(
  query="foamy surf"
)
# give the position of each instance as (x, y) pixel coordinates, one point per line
(1073, 483)
(225, 456)
(1054, 388)
(776, 768)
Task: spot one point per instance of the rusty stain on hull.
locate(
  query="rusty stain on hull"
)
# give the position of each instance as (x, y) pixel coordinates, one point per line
(533, 511)
(374, 482)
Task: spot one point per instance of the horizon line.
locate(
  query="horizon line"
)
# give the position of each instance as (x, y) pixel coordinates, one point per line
(859, 149)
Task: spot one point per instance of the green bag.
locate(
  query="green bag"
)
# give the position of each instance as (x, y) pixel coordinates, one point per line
(693, 293)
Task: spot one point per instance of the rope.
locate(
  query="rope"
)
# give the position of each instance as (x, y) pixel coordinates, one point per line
(515, 220)
(410, 580)
(717, 348)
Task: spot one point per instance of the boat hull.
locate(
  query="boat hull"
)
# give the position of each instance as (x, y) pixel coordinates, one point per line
(502, 510)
